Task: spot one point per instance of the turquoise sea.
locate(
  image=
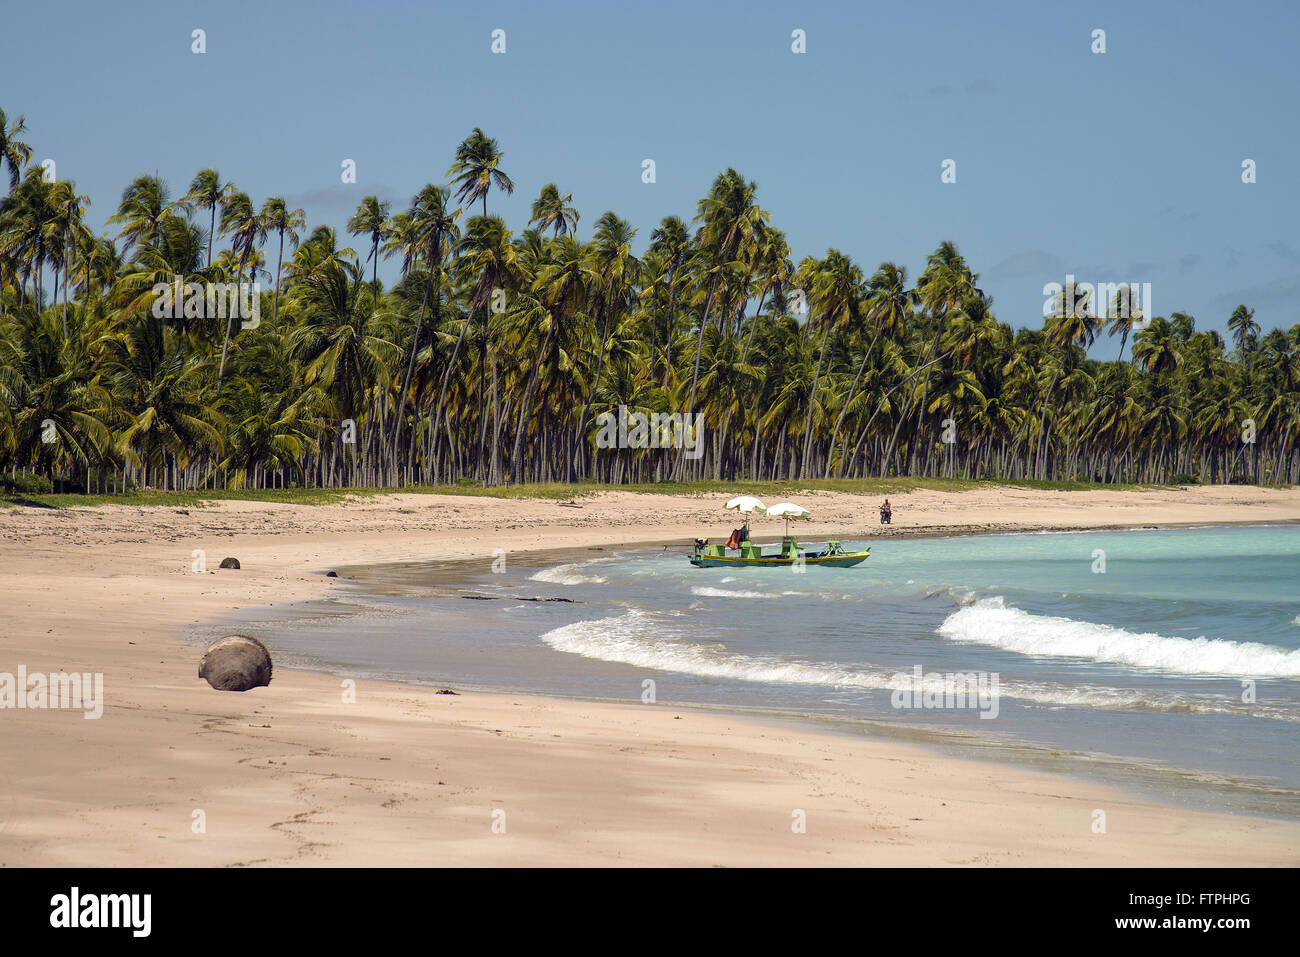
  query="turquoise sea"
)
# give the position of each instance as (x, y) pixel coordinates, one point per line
(1164, 659)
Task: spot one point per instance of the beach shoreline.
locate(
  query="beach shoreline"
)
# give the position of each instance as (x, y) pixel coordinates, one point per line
(1174, 786)
(292, 773)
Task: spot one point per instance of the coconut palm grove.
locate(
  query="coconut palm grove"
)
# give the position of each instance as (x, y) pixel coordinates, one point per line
(494, 356)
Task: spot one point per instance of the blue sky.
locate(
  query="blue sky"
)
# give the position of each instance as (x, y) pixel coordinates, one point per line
(1122, 166)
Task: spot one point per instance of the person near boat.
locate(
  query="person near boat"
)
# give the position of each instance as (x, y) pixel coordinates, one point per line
(738, 536)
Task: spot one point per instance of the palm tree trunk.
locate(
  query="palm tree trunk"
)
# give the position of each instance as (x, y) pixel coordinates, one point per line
(516, 457)
(410, 365)
(1039, 466)
(275, 309)
(835, 433)
(812, 400)
(591, 395)
(442, 393)
(695, 376)
(230, 320)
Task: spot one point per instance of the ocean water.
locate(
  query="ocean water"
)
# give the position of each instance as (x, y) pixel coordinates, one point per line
(1164, 659)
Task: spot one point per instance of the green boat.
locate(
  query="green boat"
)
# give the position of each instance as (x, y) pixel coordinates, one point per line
(789, 553)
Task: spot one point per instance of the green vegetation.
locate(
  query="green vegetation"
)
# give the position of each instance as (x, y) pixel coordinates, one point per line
(554, 491)
(493, 357)
(25, 483)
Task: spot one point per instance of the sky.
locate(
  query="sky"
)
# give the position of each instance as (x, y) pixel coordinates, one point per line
(1122, 166)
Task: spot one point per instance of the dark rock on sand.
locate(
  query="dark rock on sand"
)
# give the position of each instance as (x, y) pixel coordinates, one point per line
(447, 691)
(331, 574)
(229, 563)
(481, 597)
(236, 663)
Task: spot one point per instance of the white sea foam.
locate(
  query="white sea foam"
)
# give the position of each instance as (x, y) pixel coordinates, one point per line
(706, 591)
(647, 640)
(991, 622)
(640, 639)
(567, 575)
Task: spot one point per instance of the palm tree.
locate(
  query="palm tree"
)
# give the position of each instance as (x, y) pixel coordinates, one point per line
(100, 263)
(171, 417)
(276, 217)
(143, 209)
(429, 234)
(837, 301)
(888, 305)
(371, 218)
(1123, 317)
(14, 153)
(246, 230)
(672, 240)
(946, 284)
(64, 230)
(46, 377)
(176, 256)
(615, 271)
(1244, 330)
(270, 427)
(1184, 325)
(25, 234)
(552, 211)
(729, 218)
(1070, 324)
(561, 289)
(726, 388)
(207, 192)
(320, 249)
(475, 169)
(344, 350)
(1155, 348)
(488, 260)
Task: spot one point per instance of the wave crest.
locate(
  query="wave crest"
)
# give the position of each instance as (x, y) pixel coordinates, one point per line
(645, 640)
(567, 575)
(991, 622)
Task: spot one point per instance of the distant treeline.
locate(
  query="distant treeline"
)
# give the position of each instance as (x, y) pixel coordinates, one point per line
(495, 354)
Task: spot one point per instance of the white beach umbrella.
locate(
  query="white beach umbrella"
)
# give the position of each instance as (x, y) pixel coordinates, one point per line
(788, 510)
(746, 504)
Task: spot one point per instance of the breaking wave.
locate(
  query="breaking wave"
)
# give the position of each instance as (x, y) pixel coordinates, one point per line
(567, 575)
(991, 622)
(704, 591)
(646, 640)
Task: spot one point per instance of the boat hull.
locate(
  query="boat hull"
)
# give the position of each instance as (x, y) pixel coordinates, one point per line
(777, 561)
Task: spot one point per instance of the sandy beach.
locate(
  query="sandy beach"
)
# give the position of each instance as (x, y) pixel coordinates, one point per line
(294, 774)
